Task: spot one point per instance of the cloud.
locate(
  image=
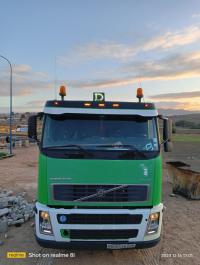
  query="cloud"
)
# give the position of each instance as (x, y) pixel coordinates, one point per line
(36, 103)
(190, 104)
(173, 39)
(168, 105)
(196, 15)
(122, 52)
(182, 100)
(174, 96)
(25, 81)
(170, 67)
(21, 68)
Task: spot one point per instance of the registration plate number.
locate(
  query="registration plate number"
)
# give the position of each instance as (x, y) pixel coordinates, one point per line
(120, 246)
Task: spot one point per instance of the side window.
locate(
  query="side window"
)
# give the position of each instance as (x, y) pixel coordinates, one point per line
(40, 119)
(150, 129)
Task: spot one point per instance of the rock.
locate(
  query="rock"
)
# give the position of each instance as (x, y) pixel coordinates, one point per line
(3, 225)
(20, 221)
(4, 211)
(32, 214)
(173, 195)
(23, 194)
(6, 193)
(15, 209)
(3, 204)
(10, 222)
(26, 216)
(8, 201)
(19, 216)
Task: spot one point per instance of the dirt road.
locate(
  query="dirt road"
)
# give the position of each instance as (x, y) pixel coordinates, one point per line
(180, 242)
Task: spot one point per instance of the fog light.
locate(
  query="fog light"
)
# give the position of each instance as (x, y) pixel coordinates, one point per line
(153, 223)
(45, 223)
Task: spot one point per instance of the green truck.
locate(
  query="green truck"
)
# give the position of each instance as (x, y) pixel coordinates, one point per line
(99, 173)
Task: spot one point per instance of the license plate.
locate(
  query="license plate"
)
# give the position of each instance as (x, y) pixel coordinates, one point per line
(120, 246)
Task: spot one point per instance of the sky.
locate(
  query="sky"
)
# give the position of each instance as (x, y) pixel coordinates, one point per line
(111, 46)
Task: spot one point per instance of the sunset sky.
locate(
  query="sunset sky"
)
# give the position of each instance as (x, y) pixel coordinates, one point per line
(111, 46)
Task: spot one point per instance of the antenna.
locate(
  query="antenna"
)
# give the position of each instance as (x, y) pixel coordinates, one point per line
(140, 86)
(55, 77)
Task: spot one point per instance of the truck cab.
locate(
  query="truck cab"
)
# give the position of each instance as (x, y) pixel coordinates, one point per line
(99, 173)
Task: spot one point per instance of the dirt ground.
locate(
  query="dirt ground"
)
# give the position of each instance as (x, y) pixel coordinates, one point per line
(180, 243)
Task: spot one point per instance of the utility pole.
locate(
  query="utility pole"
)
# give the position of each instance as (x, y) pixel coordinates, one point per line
(10, 120)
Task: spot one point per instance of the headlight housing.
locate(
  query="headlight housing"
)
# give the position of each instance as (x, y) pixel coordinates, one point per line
(45, 223)
(153, 223)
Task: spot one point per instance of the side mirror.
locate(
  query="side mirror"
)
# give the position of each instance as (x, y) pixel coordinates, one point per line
(167, 129)
(35, 127)
(167, 134)
(32, 127)
(168, 146)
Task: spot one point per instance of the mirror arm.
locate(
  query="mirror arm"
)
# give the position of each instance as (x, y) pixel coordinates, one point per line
(163, 142)
(163, 117)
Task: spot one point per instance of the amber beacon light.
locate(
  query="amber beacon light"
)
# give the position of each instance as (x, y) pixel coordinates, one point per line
(62, 92)
(140, 93)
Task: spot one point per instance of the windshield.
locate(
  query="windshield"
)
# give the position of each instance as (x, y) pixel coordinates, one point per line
(100, 132)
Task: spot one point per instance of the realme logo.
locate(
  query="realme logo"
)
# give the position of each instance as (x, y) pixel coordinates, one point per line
(16, 255)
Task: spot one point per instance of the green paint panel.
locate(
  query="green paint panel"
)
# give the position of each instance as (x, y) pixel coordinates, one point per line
(157, 185)
(42, 180)
(66, 171)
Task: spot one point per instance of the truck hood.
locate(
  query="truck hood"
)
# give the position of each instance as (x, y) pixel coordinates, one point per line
(101, 172)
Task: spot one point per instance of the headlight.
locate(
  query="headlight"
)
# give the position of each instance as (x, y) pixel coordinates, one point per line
(45, 223)
(153, 223)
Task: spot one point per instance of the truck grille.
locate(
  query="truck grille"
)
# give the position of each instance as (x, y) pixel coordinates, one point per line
(103, 234)
(101, 218)
(100, 193)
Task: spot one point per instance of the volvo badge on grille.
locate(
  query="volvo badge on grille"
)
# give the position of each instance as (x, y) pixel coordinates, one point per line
(100, 192)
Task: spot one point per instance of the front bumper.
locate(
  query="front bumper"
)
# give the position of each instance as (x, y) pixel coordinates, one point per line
(96, 244)
(57, 241)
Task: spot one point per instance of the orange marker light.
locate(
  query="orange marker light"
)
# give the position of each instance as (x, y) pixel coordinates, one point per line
(115, 105)
(101, 105)
(87, 104)
(139, 92)
(62, 91)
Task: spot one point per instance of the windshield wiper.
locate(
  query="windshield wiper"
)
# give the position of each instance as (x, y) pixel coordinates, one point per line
(131, 149)
(116, 145)
(72, 146)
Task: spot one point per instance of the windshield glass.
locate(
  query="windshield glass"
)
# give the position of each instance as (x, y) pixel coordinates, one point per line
(100, 132)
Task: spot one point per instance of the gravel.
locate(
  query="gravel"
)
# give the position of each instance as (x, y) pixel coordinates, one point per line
(14, 210)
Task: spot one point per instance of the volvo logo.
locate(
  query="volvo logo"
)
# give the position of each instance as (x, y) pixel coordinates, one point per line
(100, 192)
